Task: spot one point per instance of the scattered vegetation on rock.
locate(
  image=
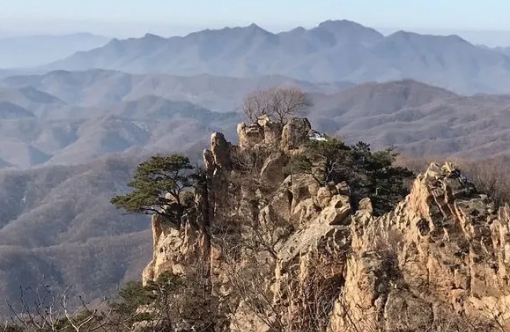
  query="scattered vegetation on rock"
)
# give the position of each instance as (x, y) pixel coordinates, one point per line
(368, 174)
(293, 231)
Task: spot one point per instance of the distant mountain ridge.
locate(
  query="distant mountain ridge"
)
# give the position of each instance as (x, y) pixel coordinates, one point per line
(99, 112)
(59, 228)
(417, 119)
(333, 51)
(67, 117)
(97, 87)
(29, 51)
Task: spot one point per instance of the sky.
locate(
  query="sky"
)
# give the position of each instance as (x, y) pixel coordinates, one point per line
(168, 17)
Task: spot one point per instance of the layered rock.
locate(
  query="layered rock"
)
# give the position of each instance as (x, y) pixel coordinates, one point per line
(444, 251)
(441, 258)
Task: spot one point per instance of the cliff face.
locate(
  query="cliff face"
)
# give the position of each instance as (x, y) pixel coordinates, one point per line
(284, 253)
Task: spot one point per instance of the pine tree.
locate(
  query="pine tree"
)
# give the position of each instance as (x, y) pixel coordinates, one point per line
(157, 186)
(368, 174)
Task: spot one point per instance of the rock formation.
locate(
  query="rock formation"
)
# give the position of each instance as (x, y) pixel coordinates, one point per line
(439, 262)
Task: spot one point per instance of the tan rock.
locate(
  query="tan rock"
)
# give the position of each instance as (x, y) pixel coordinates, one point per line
(336, 216)
(263, 120)
(220, 150)
(209, 162)
(249, 135)
(295, 133)
(324, 196)
(272, 133)
(366, 205)
(301, 187)
(272, 170)
(443, 252)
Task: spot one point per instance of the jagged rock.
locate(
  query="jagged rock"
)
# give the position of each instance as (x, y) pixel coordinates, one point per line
(442, 252)
(300, 187)
(303, 212)
(271, 171)
(220, 150)
(324, 196)
(279, 208)
(337, 211)
(170, 245)
(366, 205)
(208, 160)
(272, 133)
(263, 132)
(447, 250)
(250, 135)
(295, 133)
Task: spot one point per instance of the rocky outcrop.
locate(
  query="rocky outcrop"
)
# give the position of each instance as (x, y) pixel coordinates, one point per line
(287, 137)
(173, 249)
(443, 253)
(295, 133)
(249, 136)
(439, 262)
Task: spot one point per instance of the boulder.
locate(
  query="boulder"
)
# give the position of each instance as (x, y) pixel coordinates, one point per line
(366, 205)
(272, 170)
(301, 187)
(324, 196)
(272, 133)
(220, 150)
(249, 135)
(295, 133)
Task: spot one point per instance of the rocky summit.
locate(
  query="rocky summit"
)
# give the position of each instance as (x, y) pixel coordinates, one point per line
(440, 261)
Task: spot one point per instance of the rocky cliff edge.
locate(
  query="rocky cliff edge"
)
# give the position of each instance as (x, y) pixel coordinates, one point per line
(439, 261)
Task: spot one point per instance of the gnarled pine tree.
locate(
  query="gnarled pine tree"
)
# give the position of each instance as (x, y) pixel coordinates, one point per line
(157, 187)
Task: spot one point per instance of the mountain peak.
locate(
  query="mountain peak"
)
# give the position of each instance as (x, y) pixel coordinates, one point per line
(344, 31)
(152, 36)
(255, 28)
(339, 23)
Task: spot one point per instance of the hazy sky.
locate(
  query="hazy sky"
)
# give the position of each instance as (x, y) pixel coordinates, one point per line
(114, 17)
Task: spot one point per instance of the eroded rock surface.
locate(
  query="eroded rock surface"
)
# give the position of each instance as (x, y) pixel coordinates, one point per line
(438, 262)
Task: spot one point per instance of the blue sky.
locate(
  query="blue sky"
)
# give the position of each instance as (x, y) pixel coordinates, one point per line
(272, 14)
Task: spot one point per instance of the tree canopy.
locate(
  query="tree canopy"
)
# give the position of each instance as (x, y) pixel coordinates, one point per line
(368, 174)
(157, 184)
(278, 103)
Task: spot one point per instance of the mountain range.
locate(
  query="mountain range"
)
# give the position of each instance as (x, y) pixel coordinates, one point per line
(330, 52)
(61, 230)
(99, 87)
(72, 132)
(67, 117)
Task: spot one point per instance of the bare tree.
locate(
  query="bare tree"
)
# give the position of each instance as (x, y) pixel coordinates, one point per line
(288, 102)
(489, 177)
(256, 103)
(278, 103)
(49, 311)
